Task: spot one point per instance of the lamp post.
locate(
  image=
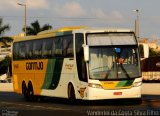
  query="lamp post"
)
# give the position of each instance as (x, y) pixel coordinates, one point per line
(137, 23)
(25, 17)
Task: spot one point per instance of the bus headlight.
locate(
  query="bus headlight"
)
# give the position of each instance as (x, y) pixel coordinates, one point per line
(95, 85)
(136, 84)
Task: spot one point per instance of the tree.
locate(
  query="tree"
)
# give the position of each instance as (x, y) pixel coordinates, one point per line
(5, 65)
(36, 28)
(3, 29)
(153, 53)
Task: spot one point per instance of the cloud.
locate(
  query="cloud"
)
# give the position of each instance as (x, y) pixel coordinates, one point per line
(98, 13)
(7, 4)
(32, 4)
(114, 16)
(155, 19)
(37, 4)
(72, 9)
(117, 15)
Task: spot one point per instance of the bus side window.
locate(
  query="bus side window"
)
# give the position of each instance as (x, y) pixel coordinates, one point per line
(37, 49)
(67, 46)
(47, 47)
(58, 48)
(22, 50)
(16, 51)
(70, 47)
(29, 49)
(53, 48)
(81, 64)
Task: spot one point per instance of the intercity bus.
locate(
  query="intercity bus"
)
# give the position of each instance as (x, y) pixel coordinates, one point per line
(78, 63)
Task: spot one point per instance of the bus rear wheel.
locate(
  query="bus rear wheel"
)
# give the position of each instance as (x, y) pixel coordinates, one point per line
(31, 92)
(71, 94)
(25, 91)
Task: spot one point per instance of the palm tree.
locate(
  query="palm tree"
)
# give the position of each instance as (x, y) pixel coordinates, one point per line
(3, 29)
(36, 28)
(7, 61)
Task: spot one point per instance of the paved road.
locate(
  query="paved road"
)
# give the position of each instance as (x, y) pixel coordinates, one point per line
(147, 88)
(13, 104)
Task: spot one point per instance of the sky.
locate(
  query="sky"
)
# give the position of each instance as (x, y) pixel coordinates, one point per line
(92, 13)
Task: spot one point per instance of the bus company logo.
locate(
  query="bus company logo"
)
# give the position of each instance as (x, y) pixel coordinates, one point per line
(34, 65)
(81, 91)
(69, 66)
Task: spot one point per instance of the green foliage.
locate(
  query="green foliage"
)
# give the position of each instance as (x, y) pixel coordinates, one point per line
(153, 53)
(3, 29)
(36, 28)
(6, 62)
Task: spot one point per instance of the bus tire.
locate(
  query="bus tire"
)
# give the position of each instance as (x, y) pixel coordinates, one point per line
(31, 92)
(71, 94)
(25, 91)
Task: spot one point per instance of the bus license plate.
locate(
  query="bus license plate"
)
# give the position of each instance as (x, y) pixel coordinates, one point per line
(117, 93)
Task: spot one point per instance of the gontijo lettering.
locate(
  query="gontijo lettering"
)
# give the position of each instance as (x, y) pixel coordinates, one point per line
(34, 65)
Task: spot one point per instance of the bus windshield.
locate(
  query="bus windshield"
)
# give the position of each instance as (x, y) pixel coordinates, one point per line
(114, 63)
(113, 56)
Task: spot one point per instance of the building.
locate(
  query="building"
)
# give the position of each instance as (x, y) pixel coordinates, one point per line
(152, 44)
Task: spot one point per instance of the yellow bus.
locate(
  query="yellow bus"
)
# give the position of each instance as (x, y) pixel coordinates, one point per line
(78, 63)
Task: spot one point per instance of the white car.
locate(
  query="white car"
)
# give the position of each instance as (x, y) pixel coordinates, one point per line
(3, 78)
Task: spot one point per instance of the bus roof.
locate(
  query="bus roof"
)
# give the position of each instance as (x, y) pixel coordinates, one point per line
(94, 30)
(68, 30)
(63, 29)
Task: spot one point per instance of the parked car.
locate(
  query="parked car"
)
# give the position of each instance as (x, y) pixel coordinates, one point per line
(3, 78)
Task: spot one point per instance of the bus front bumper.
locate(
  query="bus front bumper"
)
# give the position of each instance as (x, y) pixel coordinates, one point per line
(102, 94)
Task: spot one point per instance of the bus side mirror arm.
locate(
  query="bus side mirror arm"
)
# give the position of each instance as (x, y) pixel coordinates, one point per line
(86, 52)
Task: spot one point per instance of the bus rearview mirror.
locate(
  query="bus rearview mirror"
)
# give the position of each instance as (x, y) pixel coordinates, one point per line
(86, 52)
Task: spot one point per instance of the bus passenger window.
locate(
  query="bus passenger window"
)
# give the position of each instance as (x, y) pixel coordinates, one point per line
(16, 51)
(70, 47)
(58, 48)
(47, 47)
(53, 48)
(37, 48)
(22, 50)
(67, 46)
(29, 49)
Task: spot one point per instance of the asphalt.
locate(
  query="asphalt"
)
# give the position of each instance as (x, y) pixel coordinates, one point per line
(147, 88)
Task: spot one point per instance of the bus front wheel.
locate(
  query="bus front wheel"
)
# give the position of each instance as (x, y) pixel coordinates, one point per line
(71, 94)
